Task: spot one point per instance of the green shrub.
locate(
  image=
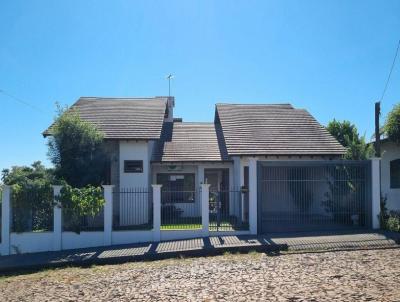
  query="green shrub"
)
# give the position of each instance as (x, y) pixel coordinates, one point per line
(76, 149)
(80, 202)
(31, 197)
(32, 207)
(392, 124)
(389, 220)
(393, 224)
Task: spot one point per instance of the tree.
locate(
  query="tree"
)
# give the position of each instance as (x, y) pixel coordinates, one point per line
(76, 150)
(392, 124)
(31, 196)
(37, 173)
(347, 134)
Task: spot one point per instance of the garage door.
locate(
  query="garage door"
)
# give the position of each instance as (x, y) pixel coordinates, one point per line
(313, 195)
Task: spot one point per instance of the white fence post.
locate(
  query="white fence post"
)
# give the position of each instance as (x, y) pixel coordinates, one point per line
(57, 220)
(108, 214)
(253, 195)
(5, 220)
(156, 212)
(376, 191)
(205, 218)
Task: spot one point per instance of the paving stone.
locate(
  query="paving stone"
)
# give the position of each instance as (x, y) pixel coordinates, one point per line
(372, 275)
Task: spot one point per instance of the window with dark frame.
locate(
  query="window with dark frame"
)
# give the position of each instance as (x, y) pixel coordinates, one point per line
(177, 187)
(133, 166)
(395, 174)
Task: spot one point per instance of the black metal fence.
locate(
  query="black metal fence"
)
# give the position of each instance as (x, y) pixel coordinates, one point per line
(180, 210)
(314, 196)
(229, 210)
(71, 222)
(32, 210)
(132, 209)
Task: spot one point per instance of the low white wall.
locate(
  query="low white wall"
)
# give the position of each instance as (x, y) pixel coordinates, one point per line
(229, 233)
(127, 237)
(31, 242)
(43, 242)
(180, 234)
(71, 240)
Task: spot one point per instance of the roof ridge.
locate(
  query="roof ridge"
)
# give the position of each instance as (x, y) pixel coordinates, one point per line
(122, 98)
(206, 123)
(257, 104)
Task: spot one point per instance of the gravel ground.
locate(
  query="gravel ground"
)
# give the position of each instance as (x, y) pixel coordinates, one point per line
(340, 276)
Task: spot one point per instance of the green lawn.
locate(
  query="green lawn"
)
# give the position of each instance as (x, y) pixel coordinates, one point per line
(176, 226)
(181, 223)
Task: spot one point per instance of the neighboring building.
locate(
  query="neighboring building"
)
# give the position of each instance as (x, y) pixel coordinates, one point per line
(390, 173)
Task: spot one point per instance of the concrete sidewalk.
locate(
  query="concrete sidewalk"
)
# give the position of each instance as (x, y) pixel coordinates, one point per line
(201, 247)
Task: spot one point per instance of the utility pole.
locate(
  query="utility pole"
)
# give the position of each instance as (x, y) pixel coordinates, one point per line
(377, 132)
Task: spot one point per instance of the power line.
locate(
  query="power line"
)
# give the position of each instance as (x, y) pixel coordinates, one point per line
(21, 101)
(390, 73)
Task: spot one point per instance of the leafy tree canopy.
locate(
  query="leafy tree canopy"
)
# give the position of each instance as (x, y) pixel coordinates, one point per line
(347, 134)
(31, 192)
(392, 124)
(76, 150)
(37, 173)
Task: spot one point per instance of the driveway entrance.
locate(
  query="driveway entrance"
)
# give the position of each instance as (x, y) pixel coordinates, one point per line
(296, 196)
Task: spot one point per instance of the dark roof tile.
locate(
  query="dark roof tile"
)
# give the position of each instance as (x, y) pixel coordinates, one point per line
(274, 130)
(123, 118)
(182, 142)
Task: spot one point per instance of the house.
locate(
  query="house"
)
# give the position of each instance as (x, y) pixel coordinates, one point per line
(299, 166)
(390, 173)
(145, 140)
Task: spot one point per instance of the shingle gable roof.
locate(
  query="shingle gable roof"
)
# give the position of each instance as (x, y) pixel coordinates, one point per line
(123, 118)
(273, 130)
(184, 142)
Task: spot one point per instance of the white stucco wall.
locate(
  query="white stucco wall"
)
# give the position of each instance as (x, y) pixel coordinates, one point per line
(128, 208)
(31, 242)
(134, 150)
(71, 240)
(390, 151)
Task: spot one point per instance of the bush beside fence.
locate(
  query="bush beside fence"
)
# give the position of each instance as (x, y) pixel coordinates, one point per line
(32, 209)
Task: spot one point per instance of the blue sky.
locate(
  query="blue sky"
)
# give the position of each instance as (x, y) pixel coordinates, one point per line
(330, 57)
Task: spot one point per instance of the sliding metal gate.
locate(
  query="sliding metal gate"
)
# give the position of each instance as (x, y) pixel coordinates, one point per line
(313, 195)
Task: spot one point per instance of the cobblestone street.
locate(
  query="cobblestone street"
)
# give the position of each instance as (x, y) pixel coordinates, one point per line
(345, 276)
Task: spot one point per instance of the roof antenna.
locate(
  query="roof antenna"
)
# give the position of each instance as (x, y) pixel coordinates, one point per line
(169, 77)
